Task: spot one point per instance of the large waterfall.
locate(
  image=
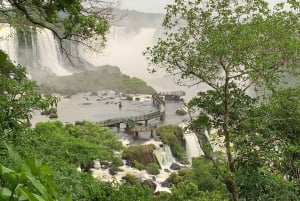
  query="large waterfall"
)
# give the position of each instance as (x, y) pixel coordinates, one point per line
(39, 51)
(9, 41)
(35, 49)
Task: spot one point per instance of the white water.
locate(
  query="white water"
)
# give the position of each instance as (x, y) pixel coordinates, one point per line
(42, 52)
(49, 55)
(9, 41)
(123, 49)
(104, 175)
(164, 156)
(193, 148)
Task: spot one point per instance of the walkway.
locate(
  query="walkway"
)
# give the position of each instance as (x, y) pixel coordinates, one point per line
(130, 121)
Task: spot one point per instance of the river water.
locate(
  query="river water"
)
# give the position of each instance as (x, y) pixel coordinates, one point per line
(105, 105)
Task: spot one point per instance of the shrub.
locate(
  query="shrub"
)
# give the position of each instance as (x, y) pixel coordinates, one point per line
(116, 162)
(181, 112)
(142, 154)
(153, 168)
(138, 165)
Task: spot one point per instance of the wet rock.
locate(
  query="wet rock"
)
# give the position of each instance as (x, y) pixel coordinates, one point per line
(149, 183)
(167, 170)
(79, 123)
(175, 166)
(167, 184)
(128, 163)
(104, 164)
(113, 171)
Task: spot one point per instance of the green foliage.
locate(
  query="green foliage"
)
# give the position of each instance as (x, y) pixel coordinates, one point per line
(116, 161)
(137, 165)
(102, 78)
(28, 181)
(131, 179)
(67, 19)
(261, 184)
(96, 134)
(231, 47)
(79, 145)
(189, 192)
(181, 112)
(142, 154)
(153, 168)
(270, 149)
(18, 97)
(173, 136)
(202, 174)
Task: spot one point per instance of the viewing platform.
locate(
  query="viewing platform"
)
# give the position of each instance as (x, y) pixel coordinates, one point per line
(172, 95)
(130, 121)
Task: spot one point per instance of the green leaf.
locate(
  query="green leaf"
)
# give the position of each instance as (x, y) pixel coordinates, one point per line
(30, 196)
(5, 170)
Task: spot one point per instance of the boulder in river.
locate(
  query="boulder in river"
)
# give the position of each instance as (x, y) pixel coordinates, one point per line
(175, 166)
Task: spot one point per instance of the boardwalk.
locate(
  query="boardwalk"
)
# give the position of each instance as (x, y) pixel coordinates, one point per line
(173, 93)
(144, 117)
(158, 100)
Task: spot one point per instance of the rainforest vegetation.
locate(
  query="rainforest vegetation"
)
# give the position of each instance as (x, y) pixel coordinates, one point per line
(241, 49)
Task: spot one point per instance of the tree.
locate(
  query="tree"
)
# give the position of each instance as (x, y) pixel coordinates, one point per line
(232, 46)
(76, 20)
(273, 167)
(18, 97)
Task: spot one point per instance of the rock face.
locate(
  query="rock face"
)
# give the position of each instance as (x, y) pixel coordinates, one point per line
(167, 183)
(175, 166)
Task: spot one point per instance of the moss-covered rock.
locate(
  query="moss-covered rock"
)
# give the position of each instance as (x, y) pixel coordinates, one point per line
(139, 156)
(181, 112)
(153, 168)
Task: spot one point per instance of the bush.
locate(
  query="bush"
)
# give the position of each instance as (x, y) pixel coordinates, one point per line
(138, 165)
(181, 112)
(116, 161)
(131, 179)
(153, 168)
(142, 154)
(53, 116)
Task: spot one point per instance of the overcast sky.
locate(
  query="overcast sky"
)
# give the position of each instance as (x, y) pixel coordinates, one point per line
(153, 6)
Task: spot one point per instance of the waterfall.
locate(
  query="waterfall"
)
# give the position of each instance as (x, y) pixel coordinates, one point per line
(35, 49)
(164, 156)
(9, 41)
(193, 148)
(49, 54)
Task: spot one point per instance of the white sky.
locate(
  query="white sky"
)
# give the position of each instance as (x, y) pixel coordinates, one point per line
(154, 6)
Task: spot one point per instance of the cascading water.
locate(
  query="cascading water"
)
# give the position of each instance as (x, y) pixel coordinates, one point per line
(35, 49)
(49, 54)
(193, 148)
(9, 41)
(164, 156)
